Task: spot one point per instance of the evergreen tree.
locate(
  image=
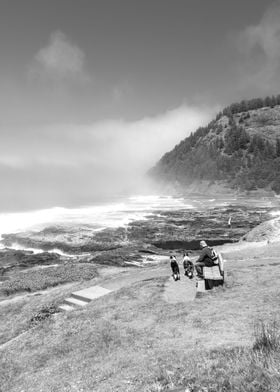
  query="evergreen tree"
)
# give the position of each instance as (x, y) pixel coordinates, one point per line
(273, 101)
(269, 151)
(277, 147)
(267, 101)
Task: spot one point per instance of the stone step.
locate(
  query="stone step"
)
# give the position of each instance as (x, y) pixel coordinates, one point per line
(83, 297)
(65, 307)
(90, 293)
(80, 298)
(74, 302)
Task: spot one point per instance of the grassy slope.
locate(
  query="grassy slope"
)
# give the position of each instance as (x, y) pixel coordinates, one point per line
(132, 340)
(18, 310)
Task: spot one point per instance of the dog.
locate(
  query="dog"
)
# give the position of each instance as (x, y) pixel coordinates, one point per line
(189, 270)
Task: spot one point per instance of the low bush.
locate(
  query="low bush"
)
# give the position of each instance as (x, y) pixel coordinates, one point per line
(40, 279)
(44, 313)
(267, 336)
(222, 370)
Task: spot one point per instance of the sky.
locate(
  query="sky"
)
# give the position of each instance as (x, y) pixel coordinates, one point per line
(94, 92)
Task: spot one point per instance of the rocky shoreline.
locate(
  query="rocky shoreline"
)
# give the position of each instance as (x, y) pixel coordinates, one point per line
(160, 233)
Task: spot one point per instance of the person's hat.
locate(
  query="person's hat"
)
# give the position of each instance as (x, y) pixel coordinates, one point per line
(202, 244)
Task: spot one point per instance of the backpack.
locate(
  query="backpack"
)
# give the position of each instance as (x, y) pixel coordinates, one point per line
(214, 256)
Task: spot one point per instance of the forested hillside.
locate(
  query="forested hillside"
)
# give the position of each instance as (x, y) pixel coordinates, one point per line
(241, 148)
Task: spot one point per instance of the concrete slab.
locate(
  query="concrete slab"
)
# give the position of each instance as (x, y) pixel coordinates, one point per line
(90, 293)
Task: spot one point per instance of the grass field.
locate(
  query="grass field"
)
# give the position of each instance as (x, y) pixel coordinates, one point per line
(132, 340)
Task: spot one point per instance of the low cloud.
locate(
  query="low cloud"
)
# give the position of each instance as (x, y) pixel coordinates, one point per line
(260, 48)
(60, 59)
(73, 161)
(119, 144)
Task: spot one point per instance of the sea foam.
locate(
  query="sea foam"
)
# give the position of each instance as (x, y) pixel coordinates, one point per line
(98, 217)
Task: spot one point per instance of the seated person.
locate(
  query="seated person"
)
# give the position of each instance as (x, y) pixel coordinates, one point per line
(205, 259)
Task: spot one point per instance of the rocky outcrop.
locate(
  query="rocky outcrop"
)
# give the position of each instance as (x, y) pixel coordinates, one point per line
(266, 231)
(11, 260)
(69, 239)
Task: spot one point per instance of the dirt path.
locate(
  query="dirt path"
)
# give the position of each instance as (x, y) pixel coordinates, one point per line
(180, 291)
(137, 275)
(183, 290)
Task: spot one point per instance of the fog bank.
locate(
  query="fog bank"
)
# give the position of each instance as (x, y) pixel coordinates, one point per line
(70, 164)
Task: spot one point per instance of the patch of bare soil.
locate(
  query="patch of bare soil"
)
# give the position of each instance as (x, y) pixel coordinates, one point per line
(182, 290)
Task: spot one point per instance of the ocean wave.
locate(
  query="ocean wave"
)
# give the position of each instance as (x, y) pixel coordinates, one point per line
(98, 217)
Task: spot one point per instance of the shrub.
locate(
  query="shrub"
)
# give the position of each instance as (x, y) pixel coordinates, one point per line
(44, 313)
(267, 337)
(34, 280)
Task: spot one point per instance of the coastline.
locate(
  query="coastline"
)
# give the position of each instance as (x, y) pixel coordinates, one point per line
(69, 253)
(131, 331)
(147, 320)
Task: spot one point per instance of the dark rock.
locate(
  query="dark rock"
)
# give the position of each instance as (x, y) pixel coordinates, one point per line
(9, 256)
(119, 257)
(69, 239)
(189, 245)
(11, 260)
